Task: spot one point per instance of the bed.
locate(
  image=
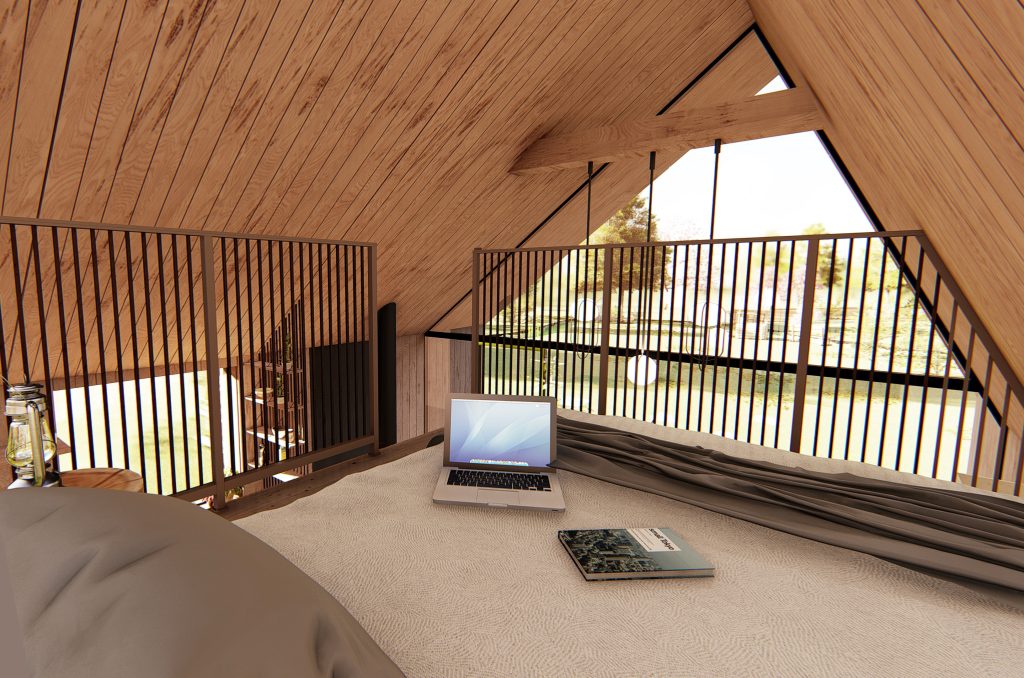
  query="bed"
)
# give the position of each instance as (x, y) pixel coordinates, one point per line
(458, 591)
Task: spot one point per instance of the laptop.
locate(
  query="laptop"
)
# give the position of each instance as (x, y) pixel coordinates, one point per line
(496, 453)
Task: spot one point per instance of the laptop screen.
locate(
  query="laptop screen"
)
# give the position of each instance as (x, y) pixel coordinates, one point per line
(502, 433)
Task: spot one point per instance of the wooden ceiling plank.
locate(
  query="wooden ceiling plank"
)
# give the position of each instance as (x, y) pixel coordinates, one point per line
(13, 34)
(500, 197)
(49, 35)
(315, 202)
(325, 100)
(218, 137)
(304, 167)
(349, 188)
(775, 114)
(259, 113)
(136, 43)
(239, 59)
(218, 31)
(393, 119)
(1001, 24)
(282, 115)
(173, 50)
(901, 156)
(91, 58)
(312, 154)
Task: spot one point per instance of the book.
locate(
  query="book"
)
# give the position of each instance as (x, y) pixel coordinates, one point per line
(633, 553)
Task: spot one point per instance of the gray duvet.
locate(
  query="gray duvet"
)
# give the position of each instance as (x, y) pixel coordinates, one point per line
(117, 584)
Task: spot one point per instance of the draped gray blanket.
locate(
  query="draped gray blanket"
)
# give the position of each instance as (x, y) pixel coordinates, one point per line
(970, 538)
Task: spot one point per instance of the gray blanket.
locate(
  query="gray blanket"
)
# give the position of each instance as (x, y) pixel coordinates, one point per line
(117, 584)
(970, 538)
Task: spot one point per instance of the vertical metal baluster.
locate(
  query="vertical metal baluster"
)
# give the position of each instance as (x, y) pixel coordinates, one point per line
(58, 268)
(671, 329)
(968, 363)
(771, 337)
(824, 352)
(242, 389)
(682, 337)
(286, 372)
(785, 341)
(945, 386)
(273, 441)
(556, 281)
(152, 364)
(914, 309)
(256, 408)
(332, 360)
(618, 330)
(82, 344)
(892, 356)
(927, 376)
(757, 347)
(129, 259)
(44, 349)
(629, 327)
(181, 356)
(713, 354)
(193, 324)
(100, 338)
(839, 359)
(583, 361)
(728, 348)
(693, 343)
(364, 335)
(661, 320)
(874, 353)
(1019, 476)
(856, 347)
(260, 455)
(743, 342)
(116, 305)
(167, 363)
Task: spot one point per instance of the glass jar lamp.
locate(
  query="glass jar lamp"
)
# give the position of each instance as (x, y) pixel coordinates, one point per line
(30, 444)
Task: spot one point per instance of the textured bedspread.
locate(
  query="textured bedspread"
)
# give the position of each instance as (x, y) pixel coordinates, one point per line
(462, 591)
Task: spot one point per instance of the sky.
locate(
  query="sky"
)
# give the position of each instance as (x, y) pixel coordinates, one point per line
(779, 186)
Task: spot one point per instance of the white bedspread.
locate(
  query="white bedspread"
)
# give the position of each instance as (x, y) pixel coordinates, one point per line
(462, 591)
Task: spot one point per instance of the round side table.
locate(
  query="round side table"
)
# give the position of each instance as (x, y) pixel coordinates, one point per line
(104, 478)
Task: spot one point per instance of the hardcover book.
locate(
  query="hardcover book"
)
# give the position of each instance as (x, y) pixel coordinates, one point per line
(633, 553)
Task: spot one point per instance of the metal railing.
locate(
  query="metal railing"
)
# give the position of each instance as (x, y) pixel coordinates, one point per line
(852, 346)
(207, 362)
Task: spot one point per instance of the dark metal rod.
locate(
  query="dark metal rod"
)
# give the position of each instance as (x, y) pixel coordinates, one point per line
(842, 344)
(129, 260)
(181, 356)
(167, 361)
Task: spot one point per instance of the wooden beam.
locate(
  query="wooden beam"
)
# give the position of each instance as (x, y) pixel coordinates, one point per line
(767, 115)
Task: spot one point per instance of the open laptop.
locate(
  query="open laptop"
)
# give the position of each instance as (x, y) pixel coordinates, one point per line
(496, 453)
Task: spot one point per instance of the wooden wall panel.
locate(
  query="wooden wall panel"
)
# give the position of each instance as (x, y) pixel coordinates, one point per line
(923, 102)
(410, 376)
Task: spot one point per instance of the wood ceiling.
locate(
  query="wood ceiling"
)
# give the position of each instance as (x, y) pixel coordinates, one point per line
(924, 106)
(397, 121)
(393, 121)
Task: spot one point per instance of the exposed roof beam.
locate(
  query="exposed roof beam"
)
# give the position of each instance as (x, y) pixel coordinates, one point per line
(766, 115)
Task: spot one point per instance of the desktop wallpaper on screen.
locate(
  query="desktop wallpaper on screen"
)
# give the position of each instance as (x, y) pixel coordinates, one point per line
(500, 432)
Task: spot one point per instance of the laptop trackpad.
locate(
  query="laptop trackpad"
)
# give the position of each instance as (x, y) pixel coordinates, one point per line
(504, 497)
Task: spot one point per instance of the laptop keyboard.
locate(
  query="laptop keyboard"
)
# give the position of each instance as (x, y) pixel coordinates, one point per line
(505, 481)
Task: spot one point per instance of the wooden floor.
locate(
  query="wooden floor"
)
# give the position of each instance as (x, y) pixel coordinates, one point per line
(283, 495)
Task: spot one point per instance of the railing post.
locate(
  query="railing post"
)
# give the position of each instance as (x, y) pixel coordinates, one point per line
(212, 369)
(474, 349)
(606, 314)
(804, 349)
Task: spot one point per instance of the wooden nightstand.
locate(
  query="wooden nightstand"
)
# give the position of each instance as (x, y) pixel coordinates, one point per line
(104, 478)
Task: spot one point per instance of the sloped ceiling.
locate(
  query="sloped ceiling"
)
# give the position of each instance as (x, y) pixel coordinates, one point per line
(392, 121)
(923, 101)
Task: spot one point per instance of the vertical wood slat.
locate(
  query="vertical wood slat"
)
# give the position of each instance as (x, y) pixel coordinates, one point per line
(804, 348)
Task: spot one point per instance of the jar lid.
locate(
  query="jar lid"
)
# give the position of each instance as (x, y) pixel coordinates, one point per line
(25, 391)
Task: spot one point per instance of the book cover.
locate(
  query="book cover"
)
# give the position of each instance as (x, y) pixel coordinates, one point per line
(633, 553)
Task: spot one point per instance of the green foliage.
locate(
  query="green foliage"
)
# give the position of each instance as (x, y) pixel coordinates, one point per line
(629, 225)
